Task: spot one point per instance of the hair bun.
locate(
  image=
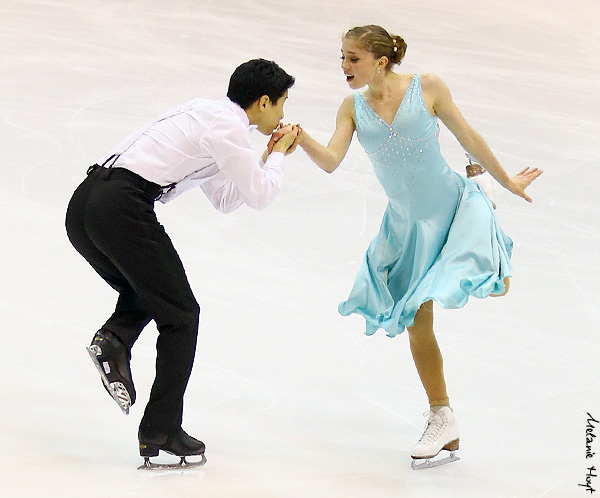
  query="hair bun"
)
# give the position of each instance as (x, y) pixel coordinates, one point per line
(399, 48)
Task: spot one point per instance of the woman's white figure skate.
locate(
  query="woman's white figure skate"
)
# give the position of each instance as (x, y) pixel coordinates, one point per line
(477, 174)
(441, 433)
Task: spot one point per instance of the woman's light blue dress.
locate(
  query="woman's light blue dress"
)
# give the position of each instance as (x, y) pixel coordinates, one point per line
(439, 238)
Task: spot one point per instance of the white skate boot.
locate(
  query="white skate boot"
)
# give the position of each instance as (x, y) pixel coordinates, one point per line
(441, 433)
(479, 175)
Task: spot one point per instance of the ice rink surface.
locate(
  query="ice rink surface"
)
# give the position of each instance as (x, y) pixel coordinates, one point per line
(291, 399)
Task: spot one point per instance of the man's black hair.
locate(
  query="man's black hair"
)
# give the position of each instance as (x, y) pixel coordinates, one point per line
(255, 78)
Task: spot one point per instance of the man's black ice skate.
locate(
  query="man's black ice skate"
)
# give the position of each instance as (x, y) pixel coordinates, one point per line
(179, 444)
(111, 358)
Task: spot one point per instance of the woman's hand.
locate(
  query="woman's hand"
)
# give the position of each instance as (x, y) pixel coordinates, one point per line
(285, 139)
(522, 180)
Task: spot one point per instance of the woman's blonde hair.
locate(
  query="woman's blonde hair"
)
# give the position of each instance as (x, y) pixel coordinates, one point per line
(379, 42)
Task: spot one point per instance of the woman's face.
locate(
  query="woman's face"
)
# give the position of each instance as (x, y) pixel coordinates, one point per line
(359, 65)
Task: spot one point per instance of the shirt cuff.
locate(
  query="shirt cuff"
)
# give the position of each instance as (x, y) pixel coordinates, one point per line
(275, 160)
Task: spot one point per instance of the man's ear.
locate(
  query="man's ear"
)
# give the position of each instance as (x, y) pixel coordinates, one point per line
(263, 101)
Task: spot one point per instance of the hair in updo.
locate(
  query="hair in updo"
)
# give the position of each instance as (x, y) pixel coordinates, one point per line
(379, 42)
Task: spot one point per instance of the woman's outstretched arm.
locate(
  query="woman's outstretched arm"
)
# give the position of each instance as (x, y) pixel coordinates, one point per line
(438, 98)
(329, 158)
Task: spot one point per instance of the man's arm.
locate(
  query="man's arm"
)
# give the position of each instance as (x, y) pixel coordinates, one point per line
(255, 184)
(223, 195)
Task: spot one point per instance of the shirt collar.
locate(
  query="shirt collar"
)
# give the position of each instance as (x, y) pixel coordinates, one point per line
(239, 112)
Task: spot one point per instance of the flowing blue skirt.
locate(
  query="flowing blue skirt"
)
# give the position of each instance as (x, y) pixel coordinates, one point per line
(413, 261)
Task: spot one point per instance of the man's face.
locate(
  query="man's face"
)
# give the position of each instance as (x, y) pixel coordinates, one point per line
(271, 115)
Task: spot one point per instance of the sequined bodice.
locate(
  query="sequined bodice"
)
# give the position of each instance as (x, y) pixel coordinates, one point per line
(406, 155)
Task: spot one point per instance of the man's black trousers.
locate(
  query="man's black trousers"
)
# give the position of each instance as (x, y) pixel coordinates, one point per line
(112, 224)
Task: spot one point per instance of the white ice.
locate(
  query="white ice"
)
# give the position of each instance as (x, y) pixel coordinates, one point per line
(291, 399)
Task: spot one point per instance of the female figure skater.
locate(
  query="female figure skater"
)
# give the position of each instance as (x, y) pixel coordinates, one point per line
(439, 238)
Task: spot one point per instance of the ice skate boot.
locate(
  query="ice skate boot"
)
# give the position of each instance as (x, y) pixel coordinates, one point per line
(111, 358)
(441, 433)
(179, 444)
(477, 173)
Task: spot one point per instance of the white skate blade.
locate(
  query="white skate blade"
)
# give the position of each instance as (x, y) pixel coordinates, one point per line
(486, 184)
(428, 463)
(115, 389)
(182, 465)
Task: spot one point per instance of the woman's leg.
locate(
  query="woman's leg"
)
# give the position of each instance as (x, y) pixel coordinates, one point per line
(506, 288)
(427, 356)
(441, 431)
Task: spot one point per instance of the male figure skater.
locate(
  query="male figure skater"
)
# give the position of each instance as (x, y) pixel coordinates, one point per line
(112, 224)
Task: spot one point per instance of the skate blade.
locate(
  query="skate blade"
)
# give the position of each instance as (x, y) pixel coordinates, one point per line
(486, 186)
(115, 389)
(182, 465)
(428, 463)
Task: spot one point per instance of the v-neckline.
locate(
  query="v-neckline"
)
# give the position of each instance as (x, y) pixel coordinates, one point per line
(390, 125)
